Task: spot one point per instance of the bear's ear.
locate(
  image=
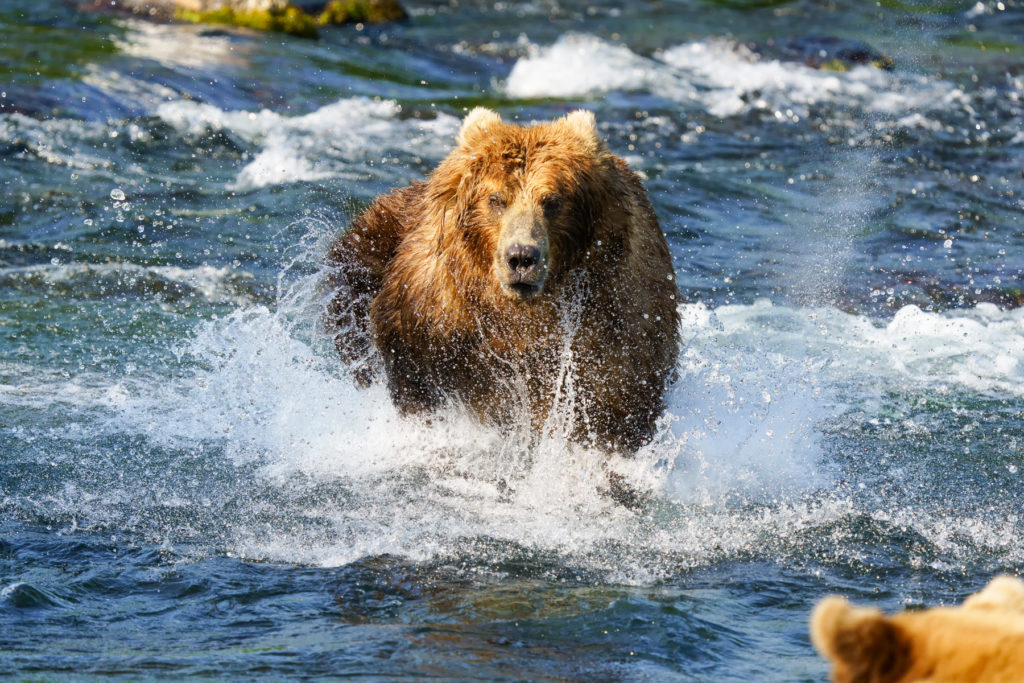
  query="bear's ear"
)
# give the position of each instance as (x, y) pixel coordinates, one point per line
(477, 123)
(861, 643)
(582, 125)
(1003, 592)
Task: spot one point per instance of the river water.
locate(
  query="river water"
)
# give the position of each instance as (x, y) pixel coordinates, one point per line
(191, 485)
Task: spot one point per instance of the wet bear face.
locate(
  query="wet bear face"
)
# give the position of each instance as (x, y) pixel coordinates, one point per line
(530, 197)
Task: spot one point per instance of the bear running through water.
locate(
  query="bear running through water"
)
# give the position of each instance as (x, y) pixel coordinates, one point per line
(527, 275)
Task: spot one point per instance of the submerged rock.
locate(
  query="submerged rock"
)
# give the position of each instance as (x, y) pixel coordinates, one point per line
(823, 52)
(294, 18)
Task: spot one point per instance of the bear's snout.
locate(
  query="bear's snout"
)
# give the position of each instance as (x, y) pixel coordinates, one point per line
(521, 260)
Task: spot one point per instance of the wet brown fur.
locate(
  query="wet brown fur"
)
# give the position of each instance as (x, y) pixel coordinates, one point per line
(979, 642)
(414, 278)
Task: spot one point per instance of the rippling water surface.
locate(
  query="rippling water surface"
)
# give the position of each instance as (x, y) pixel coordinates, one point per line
(190, 484)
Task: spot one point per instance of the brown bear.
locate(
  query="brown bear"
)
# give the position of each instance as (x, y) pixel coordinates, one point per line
(980, 642)
(527, 279)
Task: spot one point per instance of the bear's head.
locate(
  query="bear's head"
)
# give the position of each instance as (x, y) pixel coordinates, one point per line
(523, 201)
(980, 641)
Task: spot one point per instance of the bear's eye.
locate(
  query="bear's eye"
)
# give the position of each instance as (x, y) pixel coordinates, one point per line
(551, 203)
(496, 201)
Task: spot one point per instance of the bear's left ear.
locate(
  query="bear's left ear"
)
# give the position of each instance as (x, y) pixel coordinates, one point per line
(582, 125)
(861, 643)
(477, 123)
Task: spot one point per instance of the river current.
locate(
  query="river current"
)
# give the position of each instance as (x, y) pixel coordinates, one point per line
(192, 486)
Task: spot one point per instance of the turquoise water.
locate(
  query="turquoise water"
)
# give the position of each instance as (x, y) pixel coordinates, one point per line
(191, 485)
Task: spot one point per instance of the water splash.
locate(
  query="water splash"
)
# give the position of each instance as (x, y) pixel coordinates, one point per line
(265, 448)
(269, 395)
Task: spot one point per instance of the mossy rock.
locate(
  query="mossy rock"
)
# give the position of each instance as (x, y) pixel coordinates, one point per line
(361, 11)
(290, 20)
(296, 21)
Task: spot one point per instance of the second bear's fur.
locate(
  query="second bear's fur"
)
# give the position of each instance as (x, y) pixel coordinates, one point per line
(979, 642)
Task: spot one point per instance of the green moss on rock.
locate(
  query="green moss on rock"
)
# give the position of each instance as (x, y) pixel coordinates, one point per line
(290, 20)
(294, 21)
(837, 64)
(361, 11)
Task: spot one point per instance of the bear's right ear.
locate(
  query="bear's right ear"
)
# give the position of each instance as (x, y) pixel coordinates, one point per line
(861, 643)
(477, 123)
(1003, 592)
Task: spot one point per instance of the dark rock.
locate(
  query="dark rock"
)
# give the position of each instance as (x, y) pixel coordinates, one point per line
(823, 52)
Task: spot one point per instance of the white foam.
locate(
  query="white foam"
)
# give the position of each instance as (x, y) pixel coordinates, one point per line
(212, 283)
(981, 349)
(337, 140)
(977, 350)
(738, 81)
(61, 142)
(723, 78)
(579, 64)
(7, 591)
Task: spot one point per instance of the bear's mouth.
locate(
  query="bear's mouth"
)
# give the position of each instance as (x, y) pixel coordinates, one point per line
(524, 290)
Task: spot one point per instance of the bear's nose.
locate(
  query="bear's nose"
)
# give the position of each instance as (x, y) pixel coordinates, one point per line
(522, 258)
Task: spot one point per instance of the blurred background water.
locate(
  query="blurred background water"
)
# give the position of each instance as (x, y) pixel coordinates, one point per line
(190, 484)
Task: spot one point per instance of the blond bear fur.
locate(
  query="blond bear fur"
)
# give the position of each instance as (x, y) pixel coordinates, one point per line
(527, 246)
(980, 642)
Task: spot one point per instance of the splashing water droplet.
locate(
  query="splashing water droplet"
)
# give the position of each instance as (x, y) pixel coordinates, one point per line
(117, 194)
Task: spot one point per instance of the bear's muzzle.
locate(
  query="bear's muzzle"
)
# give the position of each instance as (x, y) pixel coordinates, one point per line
(521, 262)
